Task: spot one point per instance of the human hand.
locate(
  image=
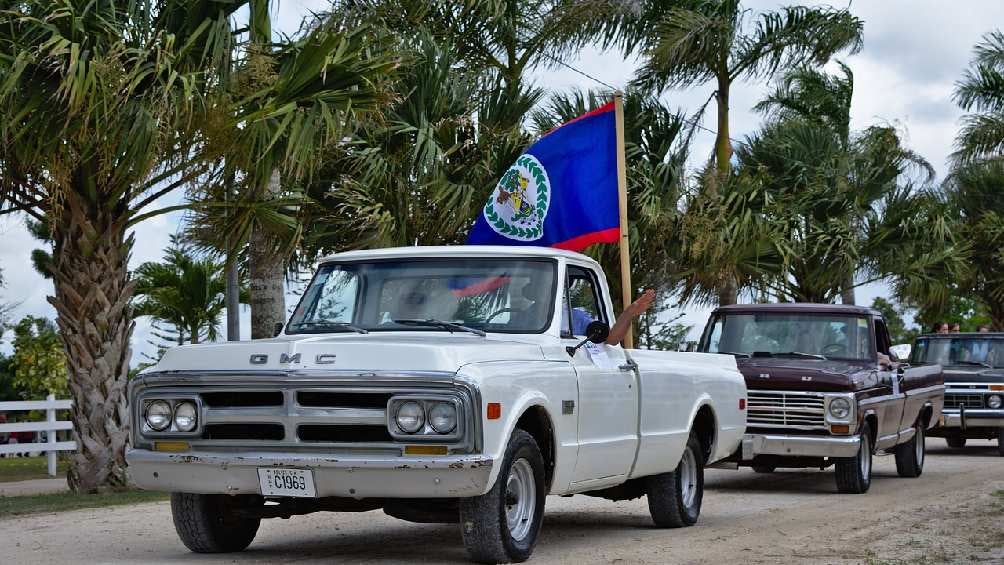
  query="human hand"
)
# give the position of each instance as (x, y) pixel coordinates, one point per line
(642, 303)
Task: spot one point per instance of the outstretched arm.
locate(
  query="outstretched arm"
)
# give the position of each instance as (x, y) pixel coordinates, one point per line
(635, 309)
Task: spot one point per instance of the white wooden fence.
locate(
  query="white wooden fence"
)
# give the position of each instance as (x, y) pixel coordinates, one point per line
(50, 426)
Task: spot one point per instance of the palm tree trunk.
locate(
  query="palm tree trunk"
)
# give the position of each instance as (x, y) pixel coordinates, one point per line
(267, 269)
(847, 289)
(92, 294)
(729, 293)
(723, 143)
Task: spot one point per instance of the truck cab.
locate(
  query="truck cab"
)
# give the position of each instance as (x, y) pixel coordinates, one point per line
(974, 384)
(825, 389)
(437, 384)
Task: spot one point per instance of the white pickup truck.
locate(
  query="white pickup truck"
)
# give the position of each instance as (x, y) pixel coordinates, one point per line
(439, 384)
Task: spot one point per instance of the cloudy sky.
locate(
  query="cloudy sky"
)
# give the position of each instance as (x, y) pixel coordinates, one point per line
(914, 51)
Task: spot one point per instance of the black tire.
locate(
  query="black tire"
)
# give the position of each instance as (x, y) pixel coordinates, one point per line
(764, 468)
(1000, 441)
(209, 523)
(854, 474)
(955, 441)
(668, 502)
(910, 455)
(484, 522)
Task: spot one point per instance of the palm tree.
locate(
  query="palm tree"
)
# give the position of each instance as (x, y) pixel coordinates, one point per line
(289, 101)
(689, 43)
(101, 105)
(183, 291)
(981, 92)
(973, 193)
(420, 171)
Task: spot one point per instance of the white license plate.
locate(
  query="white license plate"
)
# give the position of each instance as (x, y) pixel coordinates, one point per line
(287, 482)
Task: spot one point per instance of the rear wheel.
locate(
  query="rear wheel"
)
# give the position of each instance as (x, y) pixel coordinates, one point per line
(213, 523)
(764, 468)
(674, 499)
(955, 441)
(910, 455)
(501, 526)
(854, 474)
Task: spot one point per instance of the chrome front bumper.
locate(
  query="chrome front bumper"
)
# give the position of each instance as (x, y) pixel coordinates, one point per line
(344, 476)
(799, 446)
(974, 418)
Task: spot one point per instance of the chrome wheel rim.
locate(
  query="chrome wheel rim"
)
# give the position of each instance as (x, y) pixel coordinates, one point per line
(865, 456)
(520, 499)
(688, 477)
(919, 446)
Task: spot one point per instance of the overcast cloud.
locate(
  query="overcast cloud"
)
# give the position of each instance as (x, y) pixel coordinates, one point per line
(914, 51)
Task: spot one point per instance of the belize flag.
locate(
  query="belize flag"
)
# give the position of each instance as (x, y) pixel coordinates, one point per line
(561, 193)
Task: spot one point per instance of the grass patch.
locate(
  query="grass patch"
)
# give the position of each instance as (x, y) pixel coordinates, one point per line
(27, 468)
(11, 506)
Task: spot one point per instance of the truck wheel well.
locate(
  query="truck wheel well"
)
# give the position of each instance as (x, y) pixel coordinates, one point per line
(872, 420)
(537, 423)
(925, 415)
(704, 428)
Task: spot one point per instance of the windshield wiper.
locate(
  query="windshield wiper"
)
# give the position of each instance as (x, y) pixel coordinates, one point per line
(977, 363)
(736, 353)
(805, 355)
(448, 326)
(332, 326)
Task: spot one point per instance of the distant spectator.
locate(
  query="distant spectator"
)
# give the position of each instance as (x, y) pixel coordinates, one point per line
(956, 328)
(940, 328)
(983, 329)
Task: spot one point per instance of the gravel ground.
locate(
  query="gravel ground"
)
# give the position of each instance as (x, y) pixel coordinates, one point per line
(948, 515)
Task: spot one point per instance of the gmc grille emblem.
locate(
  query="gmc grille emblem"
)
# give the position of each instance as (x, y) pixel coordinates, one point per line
(259, 359)
(294, 358)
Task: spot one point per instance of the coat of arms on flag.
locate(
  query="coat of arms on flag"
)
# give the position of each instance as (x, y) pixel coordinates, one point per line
(519, 204)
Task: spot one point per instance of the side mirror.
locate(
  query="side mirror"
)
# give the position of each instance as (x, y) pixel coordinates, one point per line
(596, 332)
(278, 329)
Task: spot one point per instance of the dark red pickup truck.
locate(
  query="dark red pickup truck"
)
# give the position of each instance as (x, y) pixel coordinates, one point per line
(824, 389)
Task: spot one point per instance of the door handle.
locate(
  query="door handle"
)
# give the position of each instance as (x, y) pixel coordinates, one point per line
(626, 367)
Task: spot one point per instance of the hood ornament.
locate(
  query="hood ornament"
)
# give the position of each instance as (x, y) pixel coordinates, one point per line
(764, 375)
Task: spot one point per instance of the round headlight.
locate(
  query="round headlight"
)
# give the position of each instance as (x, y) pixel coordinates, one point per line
(994, 401)
(410, 417)
(185, 418)
(443, 417)
(840, 408)
(158, 415)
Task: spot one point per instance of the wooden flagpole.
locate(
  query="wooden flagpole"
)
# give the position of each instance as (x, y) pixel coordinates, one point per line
(625, 252)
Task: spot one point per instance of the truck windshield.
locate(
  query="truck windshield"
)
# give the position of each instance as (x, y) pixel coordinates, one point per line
(491, 295)
(802, 335)
(975, 351)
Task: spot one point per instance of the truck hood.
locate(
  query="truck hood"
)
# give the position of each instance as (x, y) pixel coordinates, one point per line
(373, 352)
(785, 373)
(973, 374)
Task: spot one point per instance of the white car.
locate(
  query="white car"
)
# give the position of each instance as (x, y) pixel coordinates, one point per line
(440, 384)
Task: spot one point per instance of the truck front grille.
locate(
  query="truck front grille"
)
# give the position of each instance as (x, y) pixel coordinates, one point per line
(782, 409)
(955, 401)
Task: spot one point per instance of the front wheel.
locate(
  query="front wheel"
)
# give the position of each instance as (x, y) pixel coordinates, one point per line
(214, 523)
(674, 499)
(854, 474)
(501, 526)
(910, 455)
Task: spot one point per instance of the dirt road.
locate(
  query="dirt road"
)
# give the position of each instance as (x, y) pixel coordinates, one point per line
(948, 515)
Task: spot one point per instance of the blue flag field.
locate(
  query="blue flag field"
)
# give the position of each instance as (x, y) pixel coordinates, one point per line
(562, 192)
